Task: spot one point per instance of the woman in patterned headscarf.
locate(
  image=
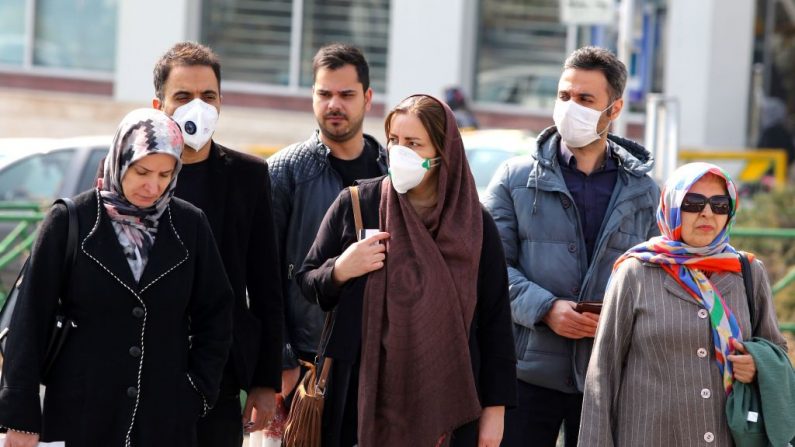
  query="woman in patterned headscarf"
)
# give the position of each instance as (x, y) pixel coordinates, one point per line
(150, 299)
(670, 339)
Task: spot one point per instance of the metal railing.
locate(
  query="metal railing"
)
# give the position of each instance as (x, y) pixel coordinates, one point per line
(774, 233)
(789, 278)
(19, 240)
(28, 215)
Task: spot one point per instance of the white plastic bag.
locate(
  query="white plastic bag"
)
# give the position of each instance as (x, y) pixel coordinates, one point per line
(41, 444)
(260, 439)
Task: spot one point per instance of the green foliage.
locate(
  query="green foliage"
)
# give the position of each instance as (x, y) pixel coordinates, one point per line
(771, 210)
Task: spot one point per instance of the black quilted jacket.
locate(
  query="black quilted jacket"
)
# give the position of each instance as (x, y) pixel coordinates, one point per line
(304, 186)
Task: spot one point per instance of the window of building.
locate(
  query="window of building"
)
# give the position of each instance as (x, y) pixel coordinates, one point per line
(12, 31)
(272, 41)
(78, 34)
(251, 37)
(364, 23)
(522, 45)
(61, 34)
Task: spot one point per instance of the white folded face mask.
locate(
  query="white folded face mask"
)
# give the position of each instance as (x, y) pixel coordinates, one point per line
(576, 124)
(197, 120)
(407, 168)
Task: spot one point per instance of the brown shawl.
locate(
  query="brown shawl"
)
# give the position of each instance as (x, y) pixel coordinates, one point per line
(416, 380)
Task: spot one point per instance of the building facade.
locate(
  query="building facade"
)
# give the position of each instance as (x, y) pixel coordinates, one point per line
(504, 54)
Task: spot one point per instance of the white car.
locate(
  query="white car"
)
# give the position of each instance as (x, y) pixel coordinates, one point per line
(33, 173)
(488, 149)
(44, 169)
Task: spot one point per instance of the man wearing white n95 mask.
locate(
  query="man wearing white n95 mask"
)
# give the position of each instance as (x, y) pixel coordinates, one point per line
(564, 215)
(233, 190)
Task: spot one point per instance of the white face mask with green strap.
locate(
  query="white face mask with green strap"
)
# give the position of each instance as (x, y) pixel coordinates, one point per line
(407, 168)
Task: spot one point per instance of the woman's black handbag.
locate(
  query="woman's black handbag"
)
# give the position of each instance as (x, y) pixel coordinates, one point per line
(62, 324)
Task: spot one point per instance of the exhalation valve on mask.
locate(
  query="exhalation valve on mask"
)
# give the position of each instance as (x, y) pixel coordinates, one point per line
(197, 120)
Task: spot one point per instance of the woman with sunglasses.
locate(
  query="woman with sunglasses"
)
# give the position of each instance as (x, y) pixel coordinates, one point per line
(669, 344)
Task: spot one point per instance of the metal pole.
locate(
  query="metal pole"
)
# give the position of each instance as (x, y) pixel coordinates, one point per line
(756, 99)
(767, 51)
(662, 134)
(572, 39)
(650, 131)
(626, 17)
(671, 151)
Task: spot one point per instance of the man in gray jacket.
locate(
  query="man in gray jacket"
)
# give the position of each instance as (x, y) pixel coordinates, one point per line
(306, 177)
(564, 215)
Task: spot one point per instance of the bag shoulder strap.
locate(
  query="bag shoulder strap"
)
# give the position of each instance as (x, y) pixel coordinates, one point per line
(325, 367)
(70, 255)
(357, 211)
(328, 326)
(748, 279)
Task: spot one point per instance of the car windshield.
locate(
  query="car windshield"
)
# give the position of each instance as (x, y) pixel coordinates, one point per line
(7, 155)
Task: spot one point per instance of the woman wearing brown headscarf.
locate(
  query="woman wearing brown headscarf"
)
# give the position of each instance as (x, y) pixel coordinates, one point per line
(422, 344)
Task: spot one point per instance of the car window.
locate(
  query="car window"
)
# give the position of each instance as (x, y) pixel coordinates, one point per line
(484, 162)
(90, 169)
(37, 177)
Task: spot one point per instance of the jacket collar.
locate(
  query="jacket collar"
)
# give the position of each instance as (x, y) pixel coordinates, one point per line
(101, 244)
(219, 176)
(633, 160)
(632, 157)
(322, 151)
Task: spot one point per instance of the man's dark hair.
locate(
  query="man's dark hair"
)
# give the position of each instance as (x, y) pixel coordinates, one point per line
(596, 58)
(185, 54)
(335, 55)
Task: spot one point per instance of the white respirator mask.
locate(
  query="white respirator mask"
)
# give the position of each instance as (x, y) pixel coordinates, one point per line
(407, 168)
(197, 120)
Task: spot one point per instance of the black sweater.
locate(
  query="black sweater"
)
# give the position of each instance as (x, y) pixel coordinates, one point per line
(491, 339)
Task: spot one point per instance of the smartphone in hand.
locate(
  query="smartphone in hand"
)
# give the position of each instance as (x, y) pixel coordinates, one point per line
(364, 233)
(593, 307)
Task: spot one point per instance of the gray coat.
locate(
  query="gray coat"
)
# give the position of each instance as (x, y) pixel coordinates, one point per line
(653, 379)
(546, 254)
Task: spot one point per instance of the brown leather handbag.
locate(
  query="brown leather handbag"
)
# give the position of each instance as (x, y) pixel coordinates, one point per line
(304, 422)
(302, 428)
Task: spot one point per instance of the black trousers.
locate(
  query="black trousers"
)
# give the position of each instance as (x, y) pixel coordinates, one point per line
(340, 412)
(536, 420)
(223, 425)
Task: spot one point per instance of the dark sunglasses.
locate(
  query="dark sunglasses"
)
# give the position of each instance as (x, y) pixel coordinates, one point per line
(694, 203)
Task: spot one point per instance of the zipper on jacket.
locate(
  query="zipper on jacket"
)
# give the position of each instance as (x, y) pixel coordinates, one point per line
(290, 271)
(603, 238)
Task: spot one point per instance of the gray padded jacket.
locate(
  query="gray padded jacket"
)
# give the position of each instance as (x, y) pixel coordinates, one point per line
(546, 254)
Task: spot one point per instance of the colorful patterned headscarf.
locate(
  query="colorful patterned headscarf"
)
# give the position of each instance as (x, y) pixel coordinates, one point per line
(141, 133)
(687, 264)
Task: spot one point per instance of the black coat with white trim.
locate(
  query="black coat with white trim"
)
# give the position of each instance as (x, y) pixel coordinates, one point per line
(128, 374)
